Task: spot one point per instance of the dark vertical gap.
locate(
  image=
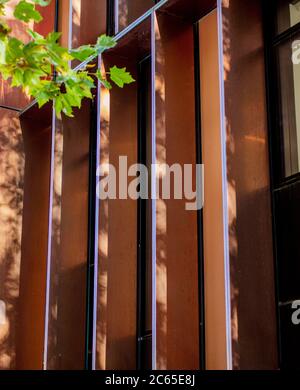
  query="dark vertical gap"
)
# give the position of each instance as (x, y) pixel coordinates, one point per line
(274, 144)
(141, 222)
(269, 72)
(56, 16)
(200, 212)
(92, 199)
(110, 9)
(143, 334)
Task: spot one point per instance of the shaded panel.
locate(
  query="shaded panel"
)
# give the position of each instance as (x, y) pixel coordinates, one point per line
(69, 242)
(11, 206)
(214, 271)
(191, 10)
(250, 230)
(118, 236)
(177, 326)
(130, 10)
(36, 128)
(88, 21)
(117, 283)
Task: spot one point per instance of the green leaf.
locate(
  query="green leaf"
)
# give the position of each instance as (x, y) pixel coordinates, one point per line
(105, 42)
(2, 6)
(82, 53)
(26, 11)
(102, 80)
(17, 78)
(42, 66)
(120, 76)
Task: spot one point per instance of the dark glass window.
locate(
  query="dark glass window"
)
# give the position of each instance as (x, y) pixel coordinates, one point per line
(288, 14)
(145, 221)
(283, 32)
(283, 49)
(289, 103)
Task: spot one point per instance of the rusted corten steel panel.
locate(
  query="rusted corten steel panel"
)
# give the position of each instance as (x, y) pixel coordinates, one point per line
(88, 21)
(117, 279)
(177, 305)
(254, 339)
(36, 128)
(69, 242)
(12, 161)
(213, 212)
(130, 10)
(192, 10)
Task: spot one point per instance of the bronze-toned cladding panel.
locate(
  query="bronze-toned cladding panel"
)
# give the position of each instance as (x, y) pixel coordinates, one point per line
(88, 21)
(64, 21)
(117, 283)
(47, 24)
(69, 242)
(130, 10)
(118, 233)
(177, 308)
(136, 44)
(191, 10)
(36, 128)
(251, 255)
(213, 213)
(12, 161)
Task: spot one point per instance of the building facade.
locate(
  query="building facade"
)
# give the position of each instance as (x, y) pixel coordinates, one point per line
(135, 283)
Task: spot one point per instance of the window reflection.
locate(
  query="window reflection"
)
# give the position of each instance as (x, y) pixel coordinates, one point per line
(289, 84)
(288, 14)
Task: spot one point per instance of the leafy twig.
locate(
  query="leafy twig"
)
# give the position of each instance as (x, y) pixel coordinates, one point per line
(42, 66)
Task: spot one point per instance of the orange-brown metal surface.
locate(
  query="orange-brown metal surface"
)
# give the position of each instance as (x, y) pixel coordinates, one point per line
(11, 208)
(250, 222)
(117, 289)
(36, 128)
(69, 242)
(177, 322)
(213, 225)
(88, 21)
(130, 10)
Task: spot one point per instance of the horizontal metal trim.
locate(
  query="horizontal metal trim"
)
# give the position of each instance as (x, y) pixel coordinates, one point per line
(10, 108)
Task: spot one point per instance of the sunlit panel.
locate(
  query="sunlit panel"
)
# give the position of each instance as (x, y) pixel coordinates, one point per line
(36, 128)
(11, 207)
(67, 257)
